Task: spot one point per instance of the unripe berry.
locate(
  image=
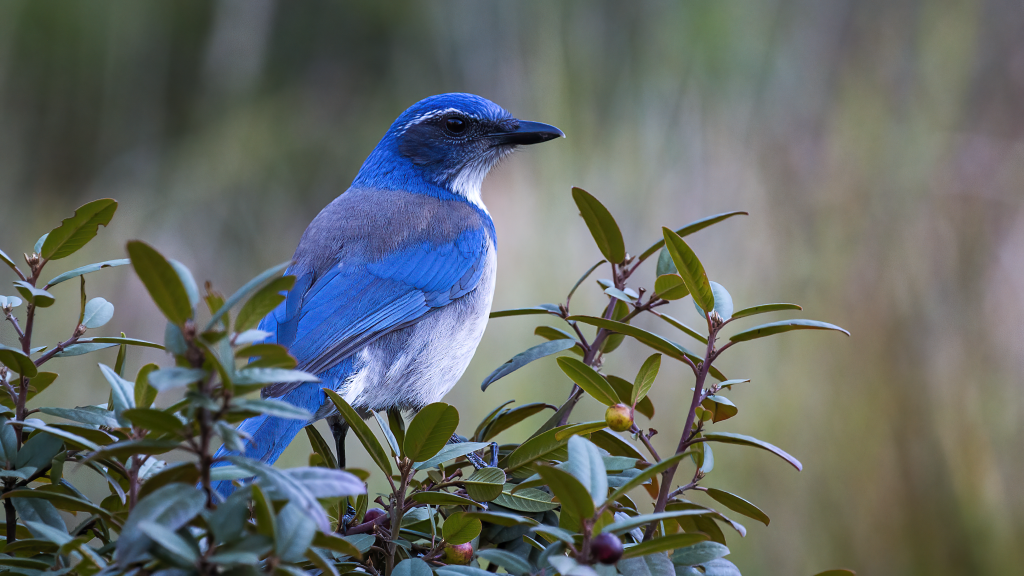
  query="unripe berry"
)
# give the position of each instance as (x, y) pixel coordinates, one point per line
(458, 553)
(606, 547)
(619, 417)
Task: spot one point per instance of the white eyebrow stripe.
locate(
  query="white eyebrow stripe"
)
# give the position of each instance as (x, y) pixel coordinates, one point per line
(434, 114)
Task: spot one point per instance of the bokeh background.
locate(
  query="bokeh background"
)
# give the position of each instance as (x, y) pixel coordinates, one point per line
(878, 146)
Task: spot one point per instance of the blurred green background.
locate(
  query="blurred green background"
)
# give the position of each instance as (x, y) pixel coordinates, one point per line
(878, 146)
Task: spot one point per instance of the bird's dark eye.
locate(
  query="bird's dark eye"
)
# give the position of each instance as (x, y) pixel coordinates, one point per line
(455, 125)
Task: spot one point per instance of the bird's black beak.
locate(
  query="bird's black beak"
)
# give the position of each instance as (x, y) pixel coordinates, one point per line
(527, 133)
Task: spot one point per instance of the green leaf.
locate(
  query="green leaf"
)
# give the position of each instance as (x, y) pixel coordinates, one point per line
(737, 504)
(176, 377)
(161, 281)
(430, 430)
(623, 526)
(601, 224)
(17, 361)
(321, 447)
(244, 291)
(571, 493)
(362, 431)
(589, 380)
(459, 529)
(699, 553)
(81, 270)
(36, 509)
(689, 229)
(156, 420)
(293, 532)
(580, 428)
(170, 541)
(721, 408)
(512, 563)
(523, 358)
(542, 309)
(144, 394)
(82, 348)
(512, 417)
(730, 438)
(262, 303)
(115, 340)
(336, 544)
(690, 269)
(706, 460)
(443, 499)
(620, 294)
(450, 452)
(187, 281)
(7, 260)
(388, 435)
(35, 296)
(666, 347)
(412, 567)
(262, 512)
(763, 308)
(665, 265)
(49, 533)
(783, 326)
(530, 500)
(86, 414)
(645, 378)
(837, 572)
(485, 484)
(14, 302)
(59, 434)
(78, 230)
(670, 287)
(271, 407)
(542, 446)
(720, 567)
(686, 329)
(650, 565)
(582, 278)
(723, 301)
(587, 466)
(170, 506)
(97, 313)
(257, 375)
(662, 544)
(267, 356)
(648, 473)
(624, 390)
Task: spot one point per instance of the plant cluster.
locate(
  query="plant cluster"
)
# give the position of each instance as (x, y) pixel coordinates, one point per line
(569, 500)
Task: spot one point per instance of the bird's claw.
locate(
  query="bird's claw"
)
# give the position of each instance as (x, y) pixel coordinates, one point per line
(475, 460)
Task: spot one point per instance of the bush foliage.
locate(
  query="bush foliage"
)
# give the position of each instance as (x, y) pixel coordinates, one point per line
(571, 500)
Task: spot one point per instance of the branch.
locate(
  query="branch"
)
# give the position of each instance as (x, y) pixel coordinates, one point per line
(685, 439)
(59, 348)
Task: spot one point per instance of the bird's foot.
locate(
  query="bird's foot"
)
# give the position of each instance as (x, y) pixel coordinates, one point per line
(475, 460)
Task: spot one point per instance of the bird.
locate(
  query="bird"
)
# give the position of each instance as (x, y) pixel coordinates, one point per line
(394, 278)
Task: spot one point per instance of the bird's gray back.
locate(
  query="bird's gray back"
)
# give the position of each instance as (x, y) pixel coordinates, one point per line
(416, 364)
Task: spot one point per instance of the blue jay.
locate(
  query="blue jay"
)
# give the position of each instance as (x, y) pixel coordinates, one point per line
(394, 278)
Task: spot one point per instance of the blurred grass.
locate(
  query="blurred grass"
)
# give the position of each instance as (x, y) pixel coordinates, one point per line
(878, 146)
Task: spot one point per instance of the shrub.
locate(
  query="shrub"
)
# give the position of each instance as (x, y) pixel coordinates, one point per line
(565, 500)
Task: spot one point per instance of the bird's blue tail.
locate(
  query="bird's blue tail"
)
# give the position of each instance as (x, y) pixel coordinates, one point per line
(270, 435)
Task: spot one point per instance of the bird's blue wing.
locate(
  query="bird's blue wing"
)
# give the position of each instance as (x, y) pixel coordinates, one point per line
(325, 319)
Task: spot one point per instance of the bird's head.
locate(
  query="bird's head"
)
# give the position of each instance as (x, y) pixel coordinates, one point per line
(448, 141)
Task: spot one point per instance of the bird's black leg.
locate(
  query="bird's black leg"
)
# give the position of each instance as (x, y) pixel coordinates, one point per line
(339, 428)
(475, 460)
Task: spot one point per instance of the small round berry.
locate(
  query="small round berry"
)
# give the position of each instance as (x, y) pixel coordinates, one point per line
(607, 548)
(460, 554)
(619, 417)
(372, 514)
